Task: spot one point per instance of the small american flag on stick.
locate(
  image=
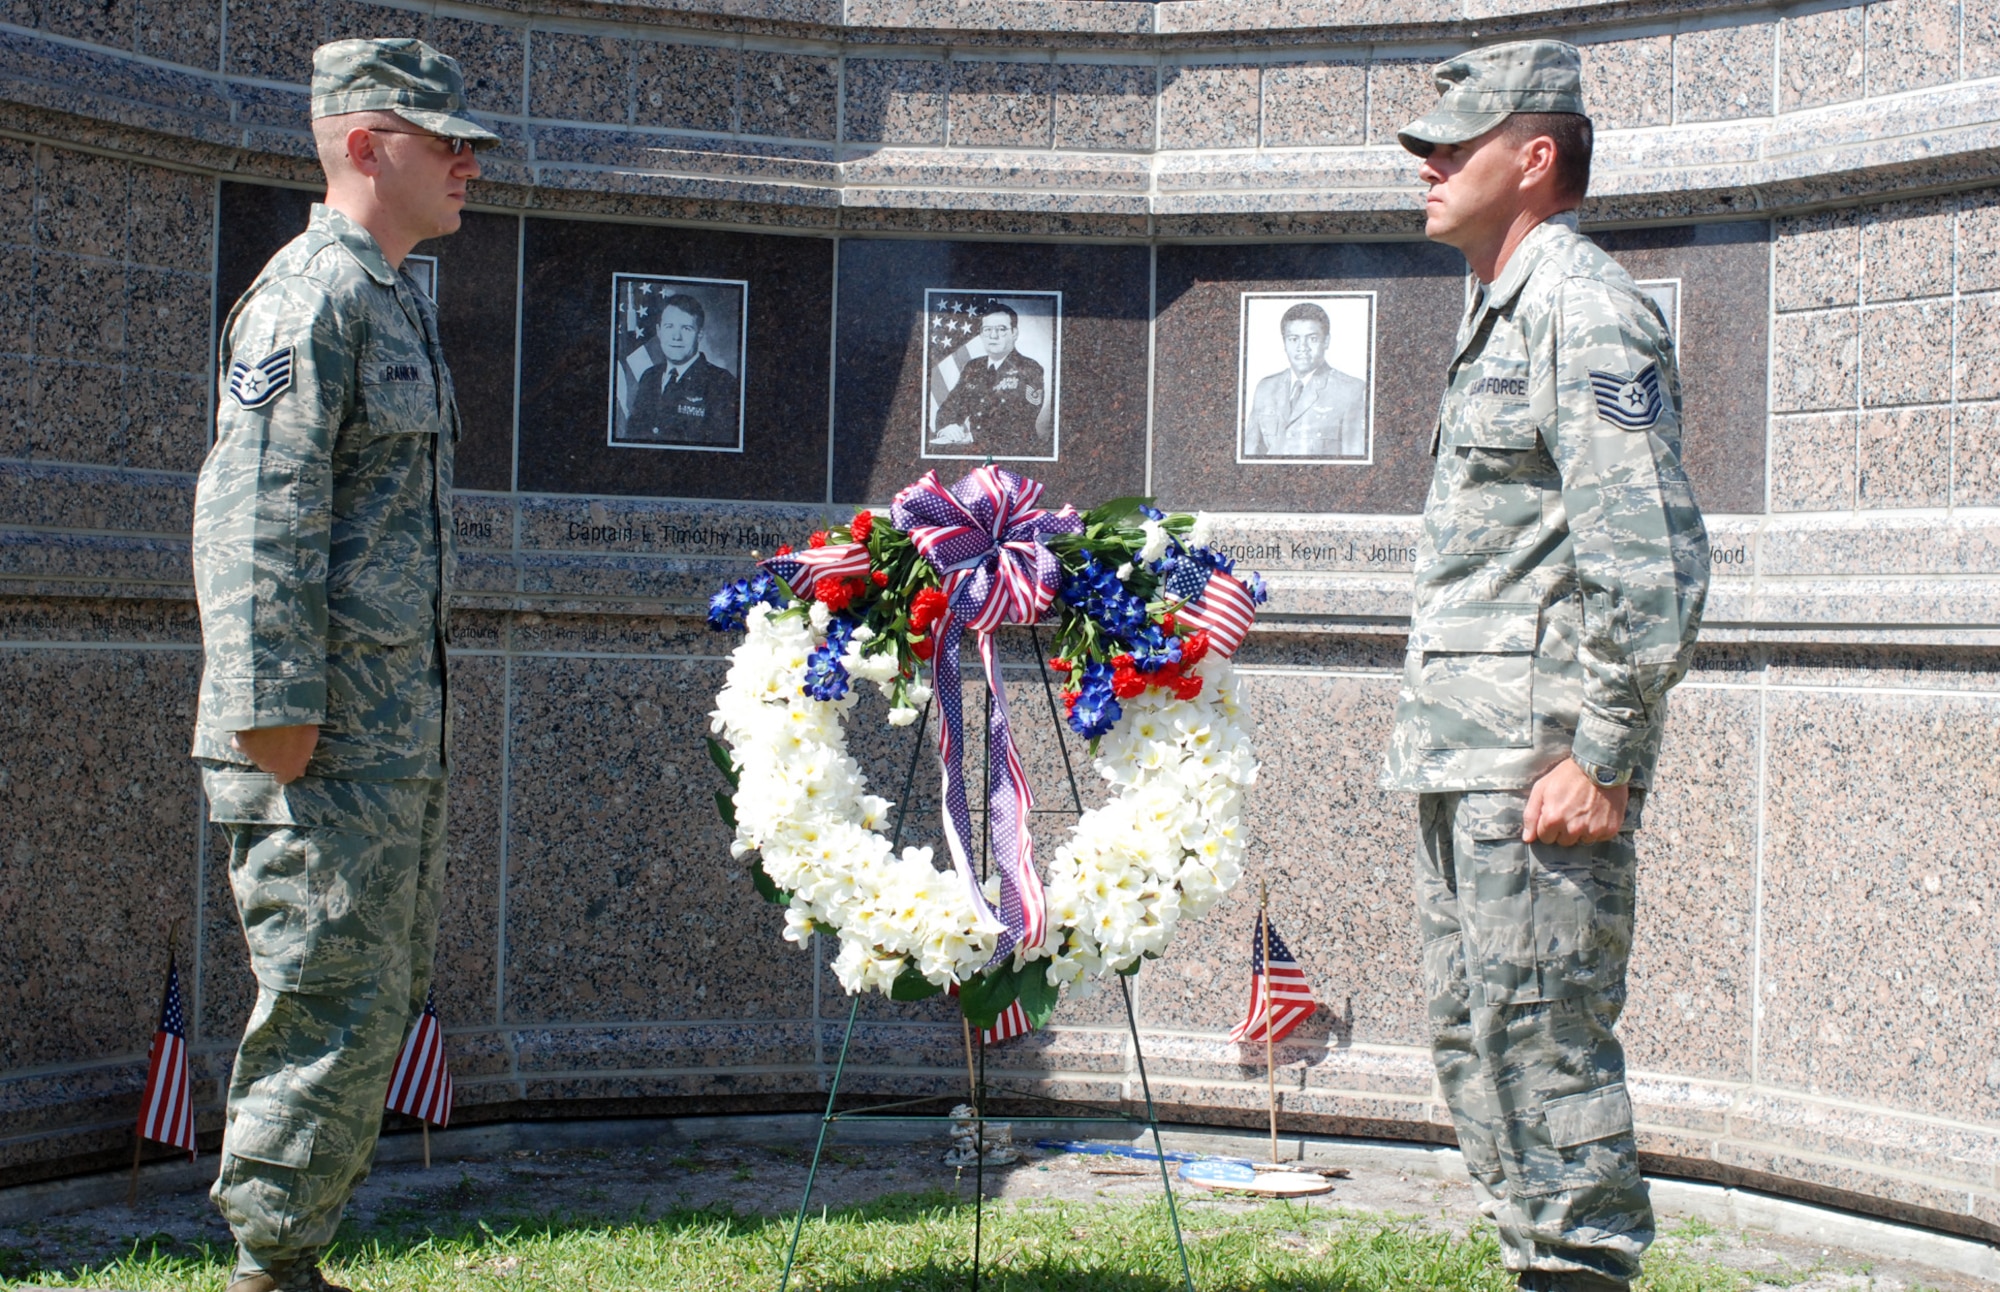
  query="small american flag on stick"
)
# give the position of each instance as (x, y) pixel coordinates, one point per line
(1290, 996)
(420, 1086)
(1211, 600)
(1012, 1022)
(166, 1109)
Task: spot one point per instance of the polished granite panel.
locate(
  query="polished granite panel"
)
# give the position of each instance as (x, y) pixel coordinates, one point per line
(76, 414)
(117, 764)
(1209, 106)
(106, 23)
(1906, 353)
(1905, 457)
(1105, 106)
(166, 321)
(93, 498)
(81, 202)
(166, 422)
(172, 220)
(79, 309)
(1977, 347)
(792, 95)
(1976, 456)
(1399, 91)
(18, 166)
(566, 363)
(118, 620)
(1694, 944)
(1911, 44)
(623, 902)
(894, 100)
(578, 77)
(1315, 105)
(1000, 105)
(17, 298)
(696, 1046)
(1723, 271)
(1419, 293)
(1813, 462)
(468, 955)
(1906, 249)
(688, 87)
(1336, 852)
(1629, 83)
(272, 40)
(1869, 993)
(1100, 382)
(1819, 58)
(1815, 361)
(1818, 260)
(491, 56)
(1724, 72)
(1979, 241)
(363, 20)
(1981, 41)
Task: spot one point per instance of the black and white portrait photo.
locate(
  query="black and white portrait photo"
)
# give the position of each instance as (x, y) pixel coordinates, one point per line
(992, 375)
(677, 372)
(1307, 377)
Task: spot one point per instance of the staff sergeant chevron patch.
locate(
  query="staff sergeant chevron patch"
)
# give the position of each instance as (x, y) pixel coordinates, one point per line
(1630, 402)
(256, 386)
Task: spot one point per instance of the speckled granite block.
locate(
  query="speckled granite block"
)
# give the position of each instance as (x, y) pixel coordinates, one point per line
(82, 202)
(580, 78)
(1399, 91)
(1905, 458)
(1813, 462)
(1819, 58)
(1336, 851)
(17, 298)
(1628, 83)
(1942, 1152)
(1837, 1183)
(1979, 241)
(1976, 456)
(1209, 106)
(1818, 260)
(792, 95)
(106, 23)
(166, 421)
(1866, 920)
(1691, 959)
(1723, 72)
(1315, 105)
(76, 412)
(1981, 41)
(1906, 249)
(79, 308)
(271, 39)
(698, 1045)
(1978, 347)
(895, 100)
(17, 192)
(1814, 361)
(1911, 44)
(172, 217)
(1000, 105)
(183, 33)
(468, 952)
(688, 87)
(490, 55)
(1906, 353)
(167, 319)
(125, 854)
(1104, 106)
(359, 20)
(622, 899)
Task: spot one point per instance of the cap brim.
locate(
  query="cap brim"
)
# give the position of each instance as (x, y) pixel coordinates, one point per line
(1446, 126)
(448, 124)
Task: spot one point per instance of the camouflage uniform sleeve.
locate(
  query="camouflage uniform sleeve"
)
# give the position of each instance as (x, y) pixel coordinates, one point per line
(1640, 548)
(263, 508)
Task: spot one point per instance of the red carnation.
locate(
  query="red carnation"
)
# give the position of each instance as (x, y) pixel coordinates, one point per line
(927, 608)
(1187, 688)
(1126, 683)
(1059, 664)
(862, 525)
(1168, 623)
(923, 647)
(878, 578)
(784, 549)
(1124, 661)
(1069, 700)
(834, 594)
(818, 539)
(1193, 649)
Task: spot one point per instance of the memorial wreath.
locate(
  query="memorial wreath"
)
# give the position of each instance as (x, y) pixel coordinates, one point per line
(1146, 617)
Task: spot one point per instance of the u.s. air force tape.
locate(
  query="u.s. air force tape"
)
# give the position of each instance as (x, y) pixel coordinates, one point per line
(255, 385)
(1630, 402)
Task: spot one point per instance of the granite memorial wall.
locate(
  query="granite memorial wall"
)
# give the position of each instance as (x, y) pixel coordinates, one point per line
(813, 213)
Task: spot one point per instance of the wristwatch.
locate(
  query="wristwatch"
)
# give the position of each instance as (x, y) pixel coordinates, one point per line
(1604, 777)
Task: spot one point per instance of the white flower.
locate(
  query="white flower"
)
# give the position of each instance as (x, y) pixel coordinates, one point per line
(902, 716)
(919, 693)
(1125, 571)
(1155, 545)
(820, 616)
(1202, 531)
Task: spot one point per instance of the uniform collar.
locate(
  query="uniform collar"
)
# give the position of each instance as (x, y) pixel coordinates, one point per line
(359, 242)
(1526, 256)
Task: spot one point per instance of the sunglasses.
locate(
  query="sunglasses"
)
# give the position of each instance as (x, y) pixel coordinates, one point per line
(457, 146)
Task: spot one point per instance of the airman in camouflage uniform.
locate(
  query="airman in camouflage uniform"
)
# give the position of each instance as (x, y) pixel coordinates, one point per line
(1559, 585)
(323, 560)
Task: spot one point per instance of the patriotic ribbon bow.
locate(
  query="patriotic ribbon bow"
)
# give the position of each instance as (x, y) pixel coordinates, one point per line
(802, 570)
(987, 540)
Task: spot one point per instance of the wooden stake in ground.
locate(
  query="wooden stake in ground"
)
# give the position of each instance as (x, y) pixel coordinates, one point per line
(427, 1145)
(1270, 1071)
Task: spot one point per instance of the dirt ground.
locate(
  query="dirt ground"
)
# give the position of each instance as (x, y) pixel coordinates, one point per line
(768, 1179)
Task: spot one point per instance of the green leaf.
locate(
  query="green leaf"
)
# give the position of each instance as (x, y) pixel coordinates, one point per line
(1132, 970)
(982, 996)
(1118, 509)
(719, 755)
(911, 985)
(727, 809)
(1038, 996)
(766, 888)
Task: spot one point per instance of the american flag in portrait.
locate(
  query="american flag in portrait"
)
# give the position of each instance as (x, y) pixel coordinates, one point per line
(639, 343)
(951, 326)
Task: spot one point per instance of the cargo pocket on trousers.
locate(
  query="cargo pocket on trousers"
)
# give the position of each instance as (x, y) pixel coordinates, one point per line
(273, 1141)
(307, 895)
(1588, 1117)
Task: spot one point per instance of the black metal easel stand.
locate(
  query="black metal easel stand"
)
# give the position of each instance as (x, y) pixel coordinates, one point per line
(883, 1113)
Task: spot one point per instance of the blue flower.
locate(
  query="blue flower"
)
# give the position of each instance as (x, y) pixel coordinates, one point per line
(1152, 649)
(1151, 513)
(825, 678)
(1096, 709)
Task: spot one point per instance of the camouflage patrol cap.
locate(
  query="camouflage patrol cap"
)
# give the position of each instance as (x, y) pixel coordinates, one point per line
(401, 75)
(1483, 87)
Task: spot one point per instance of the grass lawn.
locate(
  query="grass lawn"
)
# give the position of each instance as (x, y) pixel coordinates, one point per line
(902, 1243)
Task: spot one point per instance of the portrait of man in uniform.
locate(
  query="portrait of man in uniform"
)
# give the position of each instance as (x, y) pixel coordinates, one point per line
(1307, 377)
(677, 362)
(991, 375)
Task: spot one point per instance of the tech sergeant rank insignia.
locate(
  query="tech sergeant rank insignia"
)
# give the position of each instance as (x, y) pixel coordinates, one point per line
(1630, 402)
(254, 386)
